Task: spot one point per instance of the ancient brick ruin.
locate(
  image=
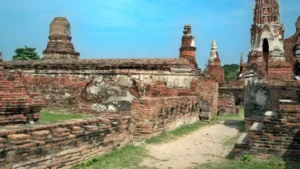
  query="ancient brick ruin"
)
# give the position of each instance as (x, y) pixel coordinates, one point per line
(134, 99)
(18, 105)
(271, 88)
(60, 45)
(127, 99)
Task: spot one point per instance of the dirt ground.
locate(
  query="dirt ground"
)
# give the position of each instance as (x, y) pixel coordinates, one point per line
(202, 146)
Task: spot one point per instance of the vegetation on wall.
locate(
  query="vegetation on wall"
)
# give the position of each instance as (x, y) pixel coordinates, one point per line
(231, 72)
(26, 53)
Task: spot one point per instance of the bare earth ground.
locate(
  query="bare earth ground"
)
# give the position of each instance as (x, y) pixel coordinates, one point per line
(199, 147)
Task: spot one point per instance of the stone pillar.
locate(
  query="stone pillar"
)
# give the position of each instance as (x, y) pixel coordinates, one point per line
(256, 95)
(188, 49)
(60, 45)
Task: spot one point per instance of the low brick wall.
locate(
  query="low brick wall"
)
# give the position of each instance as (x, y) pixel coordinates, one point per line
(279, 136)
(155, 115)
(62, 145)
(65, 144)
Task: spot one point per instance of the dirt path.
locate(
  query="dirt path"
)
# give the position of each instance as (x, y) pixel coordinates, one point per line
(199, 147)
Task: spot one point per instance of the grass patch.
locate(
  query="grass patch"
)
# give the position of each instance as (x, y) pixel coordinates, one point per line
(236, 164)
(127, 157)
(48, 117)
(181, 131)
(240, 116)
(230, 141)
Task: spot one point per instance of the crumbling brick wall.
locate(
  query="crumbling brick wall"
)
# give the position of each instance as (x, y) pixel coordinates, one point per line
(62, 145)
(276, 135)
(111, 85)
(226, 105)
(155, 115)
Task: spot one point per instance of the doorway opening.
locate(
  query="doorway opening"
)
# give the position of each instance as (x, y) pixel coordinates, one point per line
(266, 53)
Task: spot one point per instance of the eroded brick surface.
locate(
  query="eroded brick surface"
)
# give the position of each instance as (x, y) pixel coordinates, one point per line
(17, 103)
(56, 146)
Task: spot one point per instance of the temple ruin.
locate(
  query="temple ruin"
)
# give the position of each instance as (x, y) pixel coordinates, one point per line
(130, 100)
(126, 99)
(271, 88)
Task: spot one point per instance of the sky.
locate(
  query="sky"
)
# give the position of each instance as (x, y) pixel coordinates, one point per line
(137, 28)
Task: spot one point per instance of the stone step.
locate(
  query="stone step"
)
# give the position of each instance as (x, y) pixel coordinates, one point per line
(243, 141)
(287, 101)
(257, 126)
(272, 114)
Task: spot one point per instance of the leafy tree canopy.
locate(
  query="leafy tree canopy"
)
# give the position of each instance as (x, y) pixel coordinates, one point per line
(231, 72)
(26, 53)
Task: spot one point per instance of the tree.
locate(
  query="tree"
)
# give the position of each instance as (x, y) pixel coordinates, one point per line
(231, 72)
(26, 53)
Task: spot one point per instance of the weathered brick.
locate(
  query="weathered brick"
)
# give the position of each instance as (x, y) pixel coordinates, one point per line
(18, 136)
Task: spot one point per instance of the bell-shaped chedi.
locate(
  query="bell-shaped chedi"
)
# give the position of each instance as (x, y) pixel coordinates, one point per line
(214, 68)
(188, 48)
(18, 105)
(60, 45)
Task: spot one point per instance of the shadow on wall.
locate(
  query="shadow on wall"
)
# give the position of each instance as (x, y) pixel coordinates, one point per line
(292, 151)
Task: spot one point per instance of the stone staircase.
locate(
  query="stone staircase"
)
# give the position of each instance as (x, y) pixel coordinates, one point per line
(277, 136)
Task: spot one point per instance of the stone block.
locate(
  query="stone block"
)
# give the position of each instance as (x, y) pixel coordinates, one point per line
(257, 127)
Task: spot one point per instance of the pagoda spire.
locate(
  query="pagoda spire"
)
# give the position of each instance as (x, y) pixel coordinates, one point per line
(214, 55)
(242, 59)
(266, 11)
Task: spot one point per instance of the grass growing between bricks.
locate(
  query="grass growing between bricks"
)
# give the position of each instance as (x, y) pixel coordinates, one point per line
(48, 117)
(128, 157)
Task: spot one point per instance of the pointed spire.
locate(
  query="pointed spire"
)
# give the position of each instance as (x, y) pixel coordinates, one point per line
(213, 53)
(242, 59)
(214, 45)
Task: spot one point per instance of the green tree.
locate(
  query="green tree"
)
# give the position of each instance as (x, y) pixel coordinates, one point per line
(26, 53)
(231, 72)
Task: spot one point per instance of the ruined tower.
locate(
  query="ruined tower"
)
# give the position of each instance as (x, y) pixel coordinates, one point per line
(188, 48)
(214, 68)
(60, 45)
(267, 37)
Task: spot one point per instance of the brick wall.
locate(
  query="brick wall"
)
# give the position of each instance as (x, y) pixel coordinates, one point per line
(237, 92)
(226, 105)
(155, 115)
(216, 72)
(277, 135)
(62, 145)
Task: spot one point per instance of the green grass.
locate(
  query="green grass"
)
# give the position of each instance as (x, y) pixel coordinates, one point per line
(230, 141)
(187, 129)
(179, 132)
(236, 164)
(47, 117)
(128, 157)
(240, 116)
